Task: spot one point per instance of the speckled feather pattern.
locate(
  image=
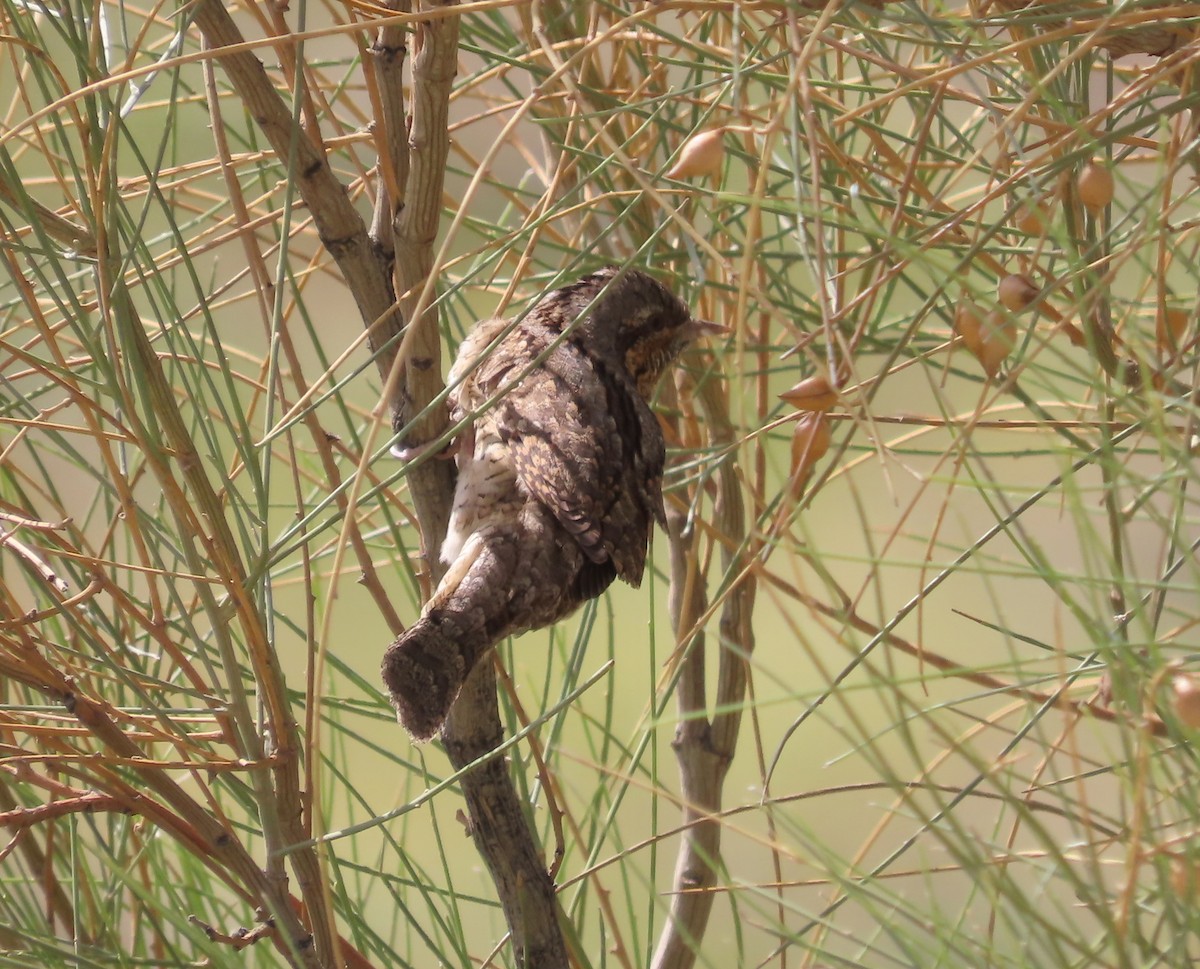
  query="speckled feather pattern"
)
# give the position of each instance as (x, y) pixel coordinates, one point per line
(560, 479)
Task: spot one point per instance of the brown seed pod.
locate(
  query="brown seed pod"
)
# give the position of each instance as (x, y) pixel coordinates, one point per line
(1031, 218)
(702, 154)
(1017, 292)
(1095, 185)
(810, 442)
(811, 394)
(968, 324)
(1185, 700)
(999, 338)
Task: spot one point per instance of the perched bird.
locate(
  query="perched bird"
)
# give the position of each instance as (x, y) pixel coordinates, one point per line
(560, 478)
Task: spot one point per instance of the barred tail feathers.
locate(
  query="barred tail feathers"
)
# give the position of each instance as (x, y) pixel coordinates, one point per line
(424, 669)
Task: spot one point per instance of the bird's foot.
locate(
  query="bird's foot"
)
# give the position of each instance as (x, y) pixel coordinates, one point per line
(408, 454)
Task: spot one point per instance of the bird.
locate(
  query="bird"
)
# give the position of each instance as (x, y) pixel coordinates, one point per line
(560, 470)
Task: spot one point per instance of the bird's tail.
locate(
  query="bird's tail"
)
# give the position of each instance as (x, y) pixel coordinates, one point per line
(424, 669)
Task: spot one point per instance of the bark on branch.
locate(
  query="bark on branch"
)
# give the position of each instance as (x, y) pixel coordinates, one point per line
(704, 746)
(339, 226)
(499, 823)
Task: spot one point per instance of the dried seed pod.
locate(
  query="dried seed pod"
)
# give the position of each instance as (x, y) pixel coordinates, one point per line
(1017, 292)
(811, 394)
(998, 339)
(1095, 185)
(810, 442)
(1031, 218)
(702, 154)
(1185, 700)
(968, 324)
(1169, 328)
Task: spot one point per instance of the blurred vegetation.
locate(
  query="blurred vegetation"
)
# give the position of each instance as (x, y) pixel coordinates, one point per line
(969, 730)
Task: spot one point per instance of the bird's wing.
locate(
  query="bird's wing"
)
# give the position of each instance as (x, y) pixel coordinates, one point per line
(578, 444)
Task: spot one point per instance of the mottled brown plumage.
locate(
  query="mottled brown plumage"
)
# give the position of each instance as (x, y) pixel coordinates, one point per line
(560, 479)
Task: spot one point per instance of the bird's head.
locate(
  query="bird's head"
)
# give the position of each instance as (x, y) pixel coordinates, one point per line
(642, 323)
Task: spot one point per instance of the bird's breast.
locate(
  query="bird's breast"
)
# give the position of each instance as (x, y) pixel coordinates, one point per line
(486, 493)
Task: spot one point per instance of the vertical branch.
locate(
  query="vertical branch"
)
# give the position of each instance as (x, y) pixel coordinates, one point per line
(702, 768)
(735, 626)
(704, 748)
(418, 215)
(388, 52)
(499, 824)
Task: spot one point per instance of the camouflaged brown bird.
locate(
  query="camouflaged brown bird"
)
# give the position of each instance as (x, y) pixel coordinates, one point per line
(559, 480)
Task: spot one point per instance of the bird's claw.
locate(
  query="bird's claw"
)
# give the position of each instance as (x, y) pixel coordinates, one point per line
(409, 454)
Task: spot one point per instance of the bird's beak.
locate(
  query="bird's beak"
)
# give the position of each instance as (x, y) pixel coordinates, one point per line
(701, 328)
